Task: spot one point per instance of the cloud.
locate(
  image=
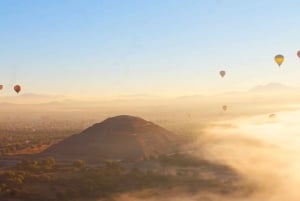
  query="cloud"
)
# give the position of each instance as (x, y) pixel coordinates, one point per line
(265, 154)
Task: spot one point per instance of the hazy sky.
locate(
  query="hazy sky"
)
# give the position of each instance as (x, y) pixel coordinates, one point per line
(161, 47)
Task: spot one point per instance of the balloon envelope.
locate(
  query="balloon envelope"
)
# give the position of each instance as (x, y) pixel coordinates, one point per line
(222, 73)
(298, 53)
(17, 88)
(224, 107)
(1, 86)
(279, 59)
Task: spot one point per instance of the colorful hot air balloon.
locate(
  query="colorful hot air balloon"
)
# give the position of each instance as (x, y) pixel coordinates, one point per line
(222, 73)
(298, 53)
(1, 86)
(224, 107)
(279, 59)
(17, 88)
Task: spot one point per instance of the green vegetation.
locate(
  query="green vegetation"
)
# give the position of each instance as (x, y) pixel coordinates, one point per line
(49, 180)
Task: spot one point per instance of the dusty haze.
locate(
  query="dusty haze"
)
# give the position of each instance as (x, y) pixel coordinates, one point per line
(258, 135)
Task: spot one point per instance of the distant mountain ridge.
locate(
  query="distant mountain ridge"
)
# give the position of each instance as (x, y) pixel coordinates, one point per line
(272, 87)
(67, 102)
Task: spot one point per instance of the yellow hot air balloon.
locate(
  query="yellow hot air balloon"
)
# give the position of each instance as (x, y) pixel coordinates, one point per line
(279, 59)
(222, 73)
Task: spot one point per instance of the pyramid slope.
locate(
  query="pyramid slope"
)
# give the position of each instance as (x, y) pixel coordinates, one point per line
(121, 137)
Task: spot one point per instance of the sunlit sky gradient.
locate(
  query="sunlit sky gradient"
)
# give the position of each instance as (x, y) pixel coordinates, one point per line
(169, 47)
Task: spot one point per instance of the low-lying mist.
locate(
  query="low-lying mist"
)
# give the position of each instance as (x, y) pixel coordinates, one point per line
(259, 140)
(263, 149)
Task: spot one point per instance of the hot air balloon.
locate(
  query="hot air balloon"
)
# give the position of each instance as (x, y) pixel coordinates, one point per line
(279, 59)
(1, 86)
(298, 53)
(17, 88)
(224, 107)
(222, 73)
(272, 116)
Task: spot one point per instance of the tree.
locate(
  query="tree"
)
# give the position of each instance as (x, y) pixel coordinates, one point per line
(28, 165)
(79, 164)
(114, 167)
(49, 162)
